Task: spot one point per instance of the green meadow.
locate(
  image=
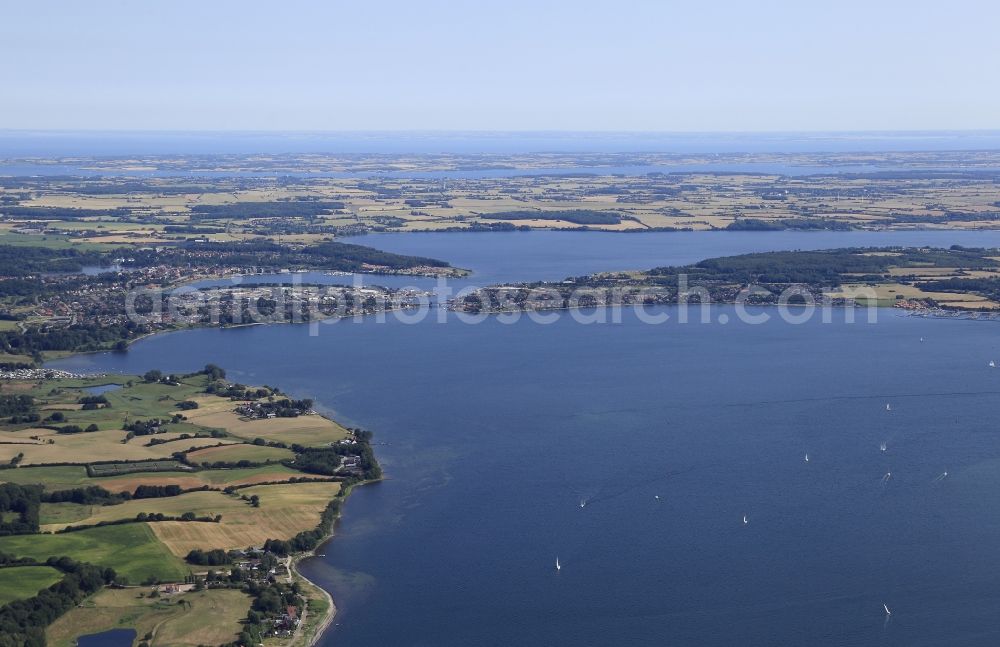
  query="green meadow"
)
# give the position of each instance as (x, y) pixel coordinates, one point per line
(21, 582)
(131, 549)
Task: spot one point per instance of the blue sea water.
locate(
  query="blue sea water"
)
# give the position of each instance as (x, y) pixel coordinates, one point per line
(504, 257)
(492, 435)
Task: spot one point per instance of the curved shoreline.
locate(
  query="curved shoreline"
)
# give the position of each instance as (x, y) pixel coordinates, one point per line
(331, 605)
(294, 568)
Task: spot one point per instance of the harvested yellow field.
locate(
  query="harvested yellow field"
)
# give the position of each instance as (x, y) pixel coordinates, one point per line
(285, 510)
(52, 447)
(304, 430)
(189, 481)
(890, 291)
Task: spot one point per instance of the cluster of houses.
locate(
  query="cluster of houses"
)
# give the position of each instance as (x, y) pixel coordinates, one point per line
(285, 624)
(256, 571)
(350, 463)
(255, 411)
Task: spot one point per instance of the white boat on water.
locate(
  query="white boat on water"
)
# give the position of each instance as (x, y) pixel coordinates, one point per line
(888, 407)
(745, 522)
(993, 364)
(887, 612)
(558, 567)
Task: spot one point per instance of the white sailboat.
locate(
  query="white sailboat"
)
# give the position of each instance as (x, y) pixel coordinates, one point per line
(993, 364)
(887, 612)
(558, 567)
(888, 407)
(807, 458)
(745, 522)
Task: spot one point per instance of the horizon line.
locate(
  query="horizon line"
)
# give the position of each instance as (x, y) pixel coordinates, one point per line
(431, 131)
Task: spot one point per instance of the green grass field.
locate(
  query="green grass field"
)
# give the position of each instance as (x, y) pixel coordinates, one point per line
(66, 513)
(140, 401)
(61, 477)
(21, 582)
(239, 452)
(108, 470)
(131, 549)
(53, 242)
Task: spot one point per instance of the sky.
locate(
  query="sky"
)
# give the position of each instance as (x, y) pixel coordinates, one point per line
(626, 65)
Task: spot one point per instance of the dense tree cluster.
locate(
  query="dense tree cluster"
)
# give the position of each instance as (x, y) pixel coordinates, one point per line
(74, 429)
(91, 402)
(16, 405)
(19, 506)
(987, 287)
(214, 372)
(192, 229)
(756, 224)
(215, 557)
(269, 255)
(88, 495)
(77, 337)
(21, 261)
(828, 267)
(145, 427)
(327, 460)
(238, 391)
(157, 491)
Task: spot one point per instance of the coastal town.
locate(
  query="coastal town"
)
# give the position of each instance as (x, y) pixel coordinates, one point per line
(107, 306)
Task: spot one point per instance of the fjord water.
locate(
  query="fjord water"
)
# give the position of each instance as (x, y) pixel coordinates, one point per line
(501, 257)
(495, 433)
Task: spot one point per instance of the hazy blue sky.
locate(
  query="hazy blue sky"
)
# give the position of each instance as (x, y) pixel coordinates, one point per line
(429, 64)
